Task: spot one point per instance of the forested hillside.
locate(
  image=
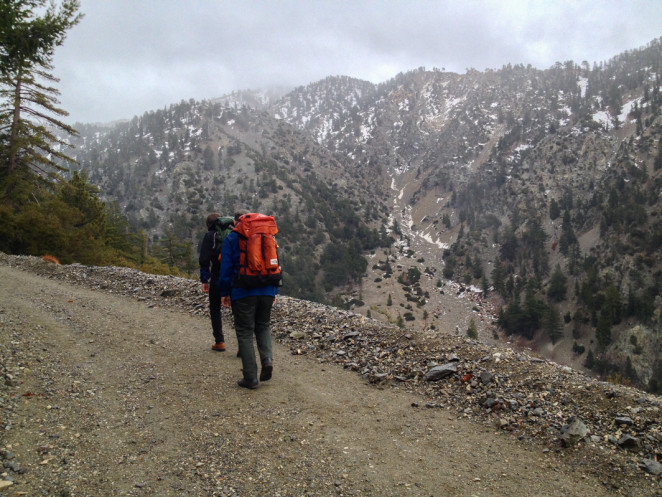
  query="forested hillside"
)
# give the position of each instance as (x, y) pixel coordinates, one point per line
(44, 208)
(169, 168)
(545, 184)
(539, 189)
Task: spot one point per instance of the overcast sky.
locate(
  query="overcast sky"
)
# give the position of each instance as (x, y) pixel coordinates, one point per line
(127, 57)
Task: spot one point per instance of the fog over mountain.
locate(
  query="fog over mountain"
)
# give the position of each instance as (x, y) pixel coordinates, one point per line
(127, 57)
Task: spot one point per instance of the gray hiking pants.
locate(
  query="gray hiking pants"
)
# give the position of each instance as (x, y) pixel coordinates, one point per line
(252, 316)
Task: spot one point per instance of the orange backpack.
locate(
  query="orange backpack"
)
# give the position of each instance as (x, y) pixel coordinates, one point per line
(258, 252)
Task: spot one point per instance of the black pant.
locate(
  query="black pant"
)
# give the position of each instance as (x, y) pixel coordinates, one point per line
(215, 311)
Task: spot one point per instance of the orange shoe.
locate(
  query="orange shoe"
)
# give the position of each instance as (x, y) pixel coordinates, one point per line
(219, 347)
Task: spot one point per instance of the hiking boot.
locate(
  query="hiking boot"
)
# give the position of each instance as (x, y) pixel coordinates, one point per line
(267, 369)
(219, 347)
(250, 384)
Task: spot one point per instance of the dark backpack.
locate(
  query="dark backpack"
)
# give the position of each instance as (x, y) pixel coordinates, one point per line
(223, 227)
(258, 252)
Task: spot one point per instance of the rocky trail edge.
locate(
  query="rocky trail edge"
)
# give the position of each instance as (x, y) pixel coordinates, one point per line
(109, 387)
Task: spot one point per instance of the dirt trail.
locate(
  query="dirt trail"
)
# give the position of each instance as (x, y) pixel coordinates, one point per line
(106, 396)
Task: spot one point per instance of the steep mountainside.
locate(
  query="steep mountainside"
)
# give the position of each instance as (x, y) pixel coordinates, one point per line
(543, 186)
(539, 189)
(169, 168)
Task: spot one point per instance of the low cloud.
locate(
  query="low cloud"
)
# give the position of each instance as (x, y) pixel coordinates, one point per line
(130, 56)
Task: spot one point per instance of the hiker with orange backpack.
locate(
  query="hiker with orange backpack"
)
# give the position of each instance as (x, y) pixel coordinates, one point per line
(210, 268)
(249, 280)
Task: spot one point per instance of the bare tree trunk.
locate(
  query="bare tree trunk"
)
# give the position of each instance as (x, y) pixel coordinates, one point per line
(13, 137)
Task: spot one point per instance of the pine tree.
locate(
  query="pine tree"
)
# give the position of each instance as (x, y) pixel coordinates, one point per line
(568, 236)
(472, 331)
(175, 252)
(554, 210)
(603, 331)
(477, 267)
(498, 278)
(629, 371)
(400, 322)
(485, 285)
(612, 307)
(590, 360)
(208, 159)
(557, 285)
(553, 325)
(657, 165)
(28, 102)
(574, 259)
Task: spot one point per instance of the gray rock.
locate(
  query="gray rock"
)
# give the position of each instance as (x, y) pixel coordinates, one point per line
(486, 377)
(12, 466)
(538, 412)
(440, 372)
(628, 442)
(7, 454)
(573, 432)
(651, 466)
(624, 420)
(379, 377)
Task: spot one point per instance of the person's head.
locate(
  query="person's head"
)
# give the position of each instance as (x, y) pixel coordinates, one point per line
(239, 213)
(211, 219)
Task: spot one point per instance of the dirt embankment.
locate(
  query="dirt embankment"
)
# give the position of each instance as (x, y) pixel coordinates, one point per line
(104, 395)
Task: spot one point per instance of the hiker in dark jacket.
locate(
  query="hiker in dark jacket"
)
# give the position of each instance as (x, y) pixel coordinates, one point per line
(251, 309)
(210, 265)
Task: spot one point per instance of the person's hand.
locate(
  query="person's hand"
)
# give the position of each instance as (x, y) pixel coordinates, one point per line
(205, 287)
(226, 302)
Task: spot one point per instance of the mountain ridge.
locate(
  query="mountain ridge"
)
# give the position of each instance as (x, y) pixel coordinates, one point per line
(538, 186)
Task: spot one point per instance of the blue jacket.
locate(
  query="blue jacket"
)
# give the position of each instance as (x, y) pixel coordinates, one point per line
(230, 269)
